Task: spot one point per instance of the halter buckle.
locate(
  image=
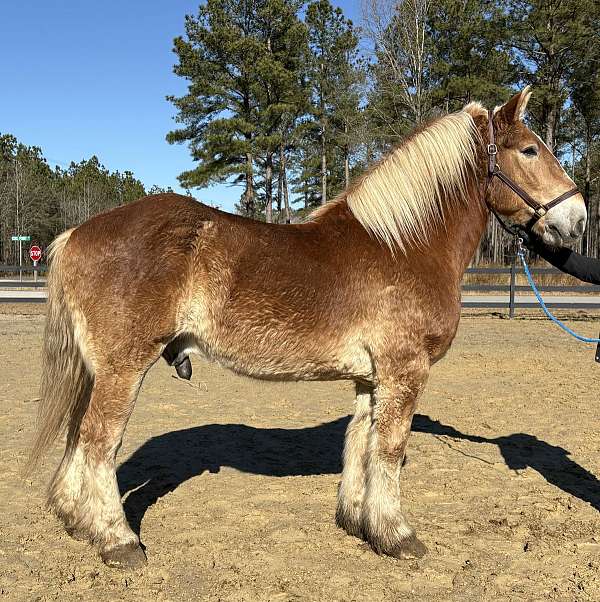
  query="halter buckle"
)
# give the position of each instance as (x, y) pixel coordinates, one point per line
(541, 211)
(492, 149)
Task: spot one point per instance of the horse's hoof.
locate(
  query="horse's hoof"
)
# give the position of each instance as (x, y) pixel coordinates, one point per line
(129, 556)
(408, 549)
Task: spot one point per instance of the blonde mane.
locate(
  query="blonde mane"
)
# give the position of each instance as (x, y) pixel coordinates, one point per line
(402, 198)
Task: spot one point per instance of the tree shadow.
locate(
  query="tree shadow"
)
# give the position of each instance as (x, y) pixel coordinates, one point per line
(164, 462)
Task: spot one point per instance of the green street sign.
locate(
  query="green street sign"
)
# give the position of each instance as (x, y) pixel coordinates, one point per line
(21, 238)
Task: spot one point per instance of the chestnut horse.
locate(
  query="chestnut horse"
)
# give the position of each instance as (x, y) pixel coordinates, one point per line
(368, 289)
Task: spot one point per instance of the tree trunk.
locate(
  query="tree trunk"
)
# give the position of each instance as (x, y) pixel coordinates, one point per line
(346, 156)
(269, 188)
(280, 184)
(323, 167)
(249, 207)
(346, 167)
(284, 184)
(587, 185)
(551, 122)
(369, 158)
(323, 145)
(595, 226)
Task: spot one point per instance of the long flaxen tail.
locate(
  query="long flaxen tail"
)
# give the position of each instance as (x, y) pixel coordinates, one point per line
(66, 381)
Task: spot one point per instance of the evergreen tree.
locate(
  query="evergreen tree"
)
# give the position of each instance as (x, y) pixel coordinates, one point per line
(242, 61)
(468, 61)
(218, 113)
(280, 91)
(549, 38)
(585, 96)
(333, 44)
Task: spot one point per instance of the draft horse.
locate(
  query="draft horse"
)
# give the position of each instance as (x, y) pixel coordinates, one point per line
(367, 289)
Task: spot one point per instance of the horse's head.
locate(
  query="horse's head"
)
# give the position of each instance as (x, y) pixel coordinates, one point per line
(520, 157)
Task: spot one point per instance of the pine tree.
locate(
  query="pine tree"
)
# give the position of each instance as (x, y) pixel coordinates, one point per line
(468, 61)
(242, 61)
(548, 39)
(584, 88)
(333, 44)
(279, 88)
(218, 113)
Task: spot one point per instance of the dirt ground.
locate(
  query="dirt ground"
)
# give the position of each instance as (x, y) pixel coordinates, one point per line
(232, 482)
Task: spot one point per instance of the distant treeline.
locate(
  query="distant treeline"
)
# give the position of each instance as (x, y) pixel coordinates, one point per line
(291, 101)
(40, 201)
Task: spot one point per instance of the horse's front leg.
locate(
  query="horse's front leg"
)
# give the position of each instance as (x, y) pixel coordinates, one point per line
(384, 524)
(352, 487)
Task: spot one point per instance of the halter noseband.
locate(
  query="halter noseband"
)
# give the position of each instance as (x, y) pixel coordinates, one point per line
(494, 170)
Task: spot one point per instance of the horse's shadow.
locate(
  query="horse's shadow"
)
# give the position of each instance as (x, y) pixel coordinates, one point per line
(164, 462)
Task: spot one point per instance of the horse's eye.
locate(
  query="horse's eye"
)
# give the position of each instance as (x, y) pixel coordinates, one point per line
(530, 151)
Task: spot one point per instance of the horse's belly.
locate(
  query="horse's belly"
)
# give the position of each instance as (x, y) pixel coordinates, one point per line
(287, 360)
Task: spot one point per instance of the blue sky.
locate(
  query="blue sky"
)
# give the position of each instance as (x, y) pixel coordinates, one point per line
(90, 78)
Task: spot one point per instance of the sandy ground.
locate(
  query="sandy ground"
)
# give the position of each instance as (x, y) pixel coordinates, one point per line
(232, 482)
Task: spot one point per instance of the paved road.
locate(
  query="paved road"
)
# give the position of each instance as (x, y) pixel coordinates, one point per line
(530, 300)
(39, 296)
(20, 296)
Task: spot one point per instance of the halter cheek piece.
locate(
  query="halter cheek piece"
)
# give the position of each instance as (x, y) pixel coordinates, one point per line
(494, 170)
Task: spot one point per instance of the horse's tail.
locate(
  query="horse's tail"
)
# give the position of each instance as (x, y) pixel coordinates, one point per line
(66, 381)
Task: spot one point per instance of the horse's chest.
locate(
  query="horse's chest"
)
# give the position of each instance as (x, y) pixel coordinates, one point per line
(440, 335)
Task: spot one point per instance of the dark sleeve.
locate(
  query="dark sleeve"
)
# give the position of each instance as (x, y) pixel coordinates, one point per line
(580, 266)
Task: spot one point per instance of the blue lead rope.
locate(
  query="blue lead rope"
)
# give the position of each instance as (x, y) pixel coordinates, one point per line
(521, 255)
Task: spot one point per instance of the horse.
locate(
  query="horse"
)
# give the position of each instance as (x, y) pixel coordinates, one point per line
(367, 288)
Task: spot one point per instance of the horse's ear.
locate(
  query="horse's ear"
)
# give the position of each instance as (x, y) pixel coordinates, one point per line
(514, 109)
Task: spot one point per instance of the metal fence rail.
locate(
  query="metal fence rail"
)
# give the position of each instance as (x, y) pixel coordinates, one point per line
(22, 284)
(6, 282)
(512, 301)
(16, 269)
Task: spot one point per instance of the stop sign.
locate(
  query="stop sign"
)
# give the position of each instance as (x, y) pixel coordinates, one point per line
(35, 253)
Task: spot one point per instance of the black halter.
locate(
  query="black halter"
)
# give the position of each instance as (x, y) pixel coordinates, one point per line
(494, 170)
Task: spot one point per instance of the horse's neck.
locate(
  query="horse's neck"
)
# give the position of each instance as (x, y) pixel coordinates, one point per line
(452, 244)
(458, 238)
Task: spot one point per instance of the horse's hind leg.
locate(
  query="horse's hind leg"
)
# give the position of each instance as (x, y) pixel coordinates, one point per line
(84, 492)
(383, 523)
(352, 486)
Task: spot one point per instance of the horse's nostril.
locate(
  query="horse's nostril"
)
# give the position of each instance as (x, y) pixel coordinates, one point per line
(578, 229)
